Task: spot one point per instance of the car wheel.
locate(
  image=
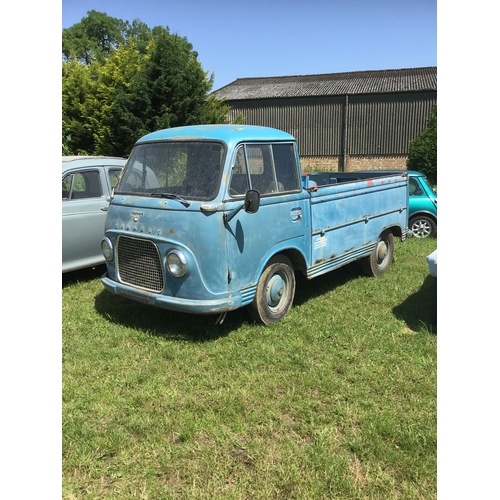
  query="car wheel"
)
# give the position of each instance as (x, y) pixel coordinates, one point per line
(422, 227)
(380, 260)
(275, 291)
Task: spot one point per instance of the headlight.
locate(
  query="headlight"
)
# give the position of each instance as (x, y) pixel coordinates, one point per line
(176, 263)
(107, 248)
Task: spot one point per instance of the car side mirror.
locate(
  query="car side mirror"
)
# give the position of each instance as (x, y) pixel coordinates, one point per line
(252, 201)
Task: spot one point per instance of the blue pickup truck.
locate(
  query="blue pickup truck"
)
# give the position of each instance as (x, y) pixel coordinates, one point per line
(210, 218)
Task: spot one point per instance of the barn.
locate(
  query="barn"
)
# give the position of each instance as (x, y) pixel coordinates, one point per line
(342, 121)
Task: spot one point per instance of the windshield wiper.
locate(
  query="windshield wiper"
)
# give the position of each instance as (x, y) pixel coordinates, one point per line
(171, 196)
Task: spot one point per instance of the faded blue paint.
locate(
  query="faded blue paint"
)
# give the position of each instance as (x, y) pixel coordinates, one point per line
(422, 197)
(230, 134)
(318, 230)
(347, 219)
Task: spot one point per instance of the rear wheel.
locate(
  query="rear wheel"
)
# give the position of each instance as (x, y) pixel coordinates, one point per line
(275, 291)
(380, 260)
(422, 227)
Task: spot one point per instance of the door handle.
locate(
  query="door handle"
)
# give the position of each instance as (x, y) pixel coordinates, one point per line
(104, 209)
(296, 214)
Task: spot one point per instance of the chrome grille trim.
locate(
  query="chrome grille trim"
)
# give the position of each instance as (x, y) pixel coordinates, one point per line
(139, 264)
(248, 294)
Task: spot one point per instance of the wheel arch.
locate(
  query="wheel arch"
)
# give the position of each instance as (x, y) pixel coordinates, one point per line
(295, 256)
(423, 213)
(397, 231)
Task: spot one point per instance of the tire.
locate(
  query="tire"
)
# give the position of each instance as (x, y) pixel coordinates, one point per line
(380, 260)
(423, 227)
(275, 291)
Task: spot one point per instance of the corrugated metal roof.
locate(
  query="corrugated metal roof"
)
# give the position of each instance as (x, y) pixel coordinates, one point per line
(356, 82)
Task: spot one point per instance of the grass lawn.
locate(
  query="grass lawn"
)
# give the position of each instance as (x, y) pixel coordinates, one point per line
(338, 400)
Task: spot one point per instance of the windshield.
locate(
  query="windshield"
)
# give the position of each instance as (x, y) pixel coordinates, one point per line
(429, 185)
(177, 169)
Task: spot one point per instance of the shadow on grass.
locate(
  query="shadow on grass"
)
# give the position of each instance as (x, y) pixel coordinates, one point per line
(203, 328)
(165, 323)
(420, 308)
(310, 289)
(83, 275)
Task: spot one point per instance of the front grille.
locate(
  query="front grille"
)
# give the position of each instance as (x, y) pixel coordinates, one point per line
(139, 264)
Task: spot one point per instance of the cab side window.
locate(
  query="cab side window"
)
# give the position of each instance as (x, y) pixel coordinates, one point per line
(272, 169)
(262, 173)
(238, 184)
(286, 168)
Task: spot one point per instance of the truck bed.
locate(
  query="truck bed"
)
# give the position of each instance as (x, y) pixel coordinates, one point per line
(348, 215)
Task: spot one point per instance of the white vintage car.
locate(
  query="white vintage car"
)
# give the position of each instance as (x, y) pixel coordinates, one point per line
(87, 182)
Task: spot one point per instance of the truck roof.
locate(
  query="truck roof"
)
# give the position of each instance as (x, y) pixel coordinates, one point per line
(227, 133)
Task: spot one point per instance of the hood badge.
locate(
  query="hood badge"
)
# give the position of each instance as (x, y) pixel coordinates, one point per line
(135, 215)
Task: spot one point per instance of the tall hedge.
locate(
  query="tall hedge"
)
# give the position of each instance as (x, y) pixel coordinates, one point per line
(121, 80)
(423, 149)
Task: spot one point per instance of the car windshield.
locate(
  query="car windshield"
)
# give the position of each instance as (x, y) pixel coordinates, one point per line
(174, 169)
(429, 185)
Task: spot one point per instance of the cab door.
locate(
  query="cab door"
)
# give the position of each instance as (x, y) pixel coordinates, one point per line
(251, 238)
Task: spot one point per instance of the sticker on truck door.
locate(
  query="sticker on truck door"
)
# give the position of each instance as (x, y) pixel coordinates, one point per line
(320, 242)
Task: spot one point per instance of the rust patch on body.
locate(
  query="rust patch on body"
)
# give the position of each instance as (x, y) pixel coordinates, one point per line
(134, 296)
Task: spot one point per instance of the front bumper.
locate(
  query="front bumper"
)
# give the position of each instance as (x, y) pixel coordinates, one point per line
(212, 306)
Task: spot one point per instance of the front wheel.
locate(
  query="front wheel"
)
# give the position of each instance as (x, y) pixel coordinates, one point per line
(379, 261)
(422, 227)
(275, 291)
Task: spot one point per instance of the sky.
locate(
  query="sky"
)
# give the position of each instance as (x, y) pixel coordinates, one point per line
(263, 38)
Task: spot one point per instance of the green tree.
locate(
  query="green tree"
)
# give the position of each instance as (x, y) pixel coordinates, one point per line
(117, 99)
(122, 80)
(217, 111)
(93, 38)
(77, 85)
(66, 140)
(178, 85)
(423, 149)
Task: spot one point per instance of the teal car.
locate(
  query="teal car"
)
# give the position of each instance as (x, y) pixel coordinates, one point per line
(422, 206)
(87, 182)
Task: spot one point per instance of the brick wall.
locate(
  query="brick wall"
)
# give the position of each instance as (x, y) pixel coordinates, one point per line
(334, 163)
(320, 163)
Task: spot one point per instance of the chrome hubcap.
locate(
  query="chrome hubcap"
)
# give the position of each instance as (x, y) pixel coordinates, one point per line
(382, 251)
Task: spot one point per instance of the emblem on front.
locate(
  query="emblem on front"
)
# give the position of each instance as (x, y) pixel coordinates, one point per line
(135, 216)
